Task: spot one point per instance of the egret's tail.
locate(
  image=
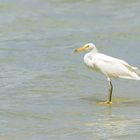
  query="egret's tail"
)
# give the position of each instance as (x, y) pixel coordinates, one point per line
(136, 73)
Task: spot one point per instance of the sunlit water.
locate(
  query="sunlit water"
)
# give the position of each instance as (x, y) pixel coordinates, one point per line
(46, 92)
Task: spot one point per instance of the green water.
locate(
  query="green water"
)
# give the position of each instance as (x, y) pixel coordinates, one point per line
(46, 92)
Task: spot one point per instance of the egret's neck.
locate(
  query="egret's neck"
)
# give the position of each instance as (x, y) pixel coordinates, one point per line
(94, 51)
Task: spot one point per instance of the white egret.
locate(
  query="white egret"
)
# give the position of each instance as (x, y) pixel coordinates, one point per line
(109, 66)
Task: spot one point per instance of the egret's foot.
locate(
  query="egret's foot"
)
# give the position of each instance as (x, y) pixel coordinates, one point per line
(108, 102)
(105, 103)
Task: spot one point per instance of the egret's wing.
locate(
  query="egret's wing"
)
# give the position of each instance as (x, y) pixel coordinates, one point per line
(109, 59)
(113, 66)
(113, 60)
(131, 68)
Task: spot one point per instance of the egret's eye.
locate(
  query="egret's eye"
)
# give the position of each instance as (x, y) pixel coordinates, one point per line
(86, 46)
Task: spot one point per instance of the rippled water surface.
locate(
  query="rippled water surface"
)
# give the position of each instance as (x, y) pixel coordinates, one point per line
(46, 92)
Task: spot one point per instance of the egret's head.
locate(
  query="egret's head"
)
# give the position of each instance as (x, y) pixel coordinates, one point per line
(86, 47)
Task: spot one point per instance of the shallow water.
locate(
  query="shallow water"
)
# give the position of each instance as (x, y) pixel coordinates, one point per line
(46, 92)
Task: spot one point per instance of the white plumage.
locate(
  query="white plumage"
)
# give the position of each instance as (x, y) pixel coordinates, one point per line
(109, 66)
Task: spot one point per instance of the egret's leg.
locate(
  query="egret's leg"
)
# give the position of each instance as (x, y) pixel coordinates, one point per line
(110, 93)
(110, 89)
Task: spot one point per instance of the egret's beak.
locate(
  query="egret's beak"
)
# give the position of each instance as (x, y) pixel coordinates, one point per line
(80, 49)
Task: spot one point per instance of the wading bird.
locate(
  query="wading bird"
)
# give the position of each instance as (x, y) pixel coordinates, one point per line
(109, 66)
